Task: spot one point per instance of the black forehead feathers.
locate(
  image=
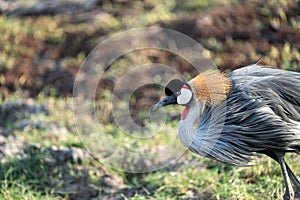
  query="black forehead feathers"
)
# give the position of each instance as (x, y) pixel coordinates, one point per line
(173, 86)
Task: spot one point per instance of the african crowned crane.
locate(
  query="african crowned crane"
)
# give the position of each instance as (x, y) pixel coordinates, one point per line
(255, 110)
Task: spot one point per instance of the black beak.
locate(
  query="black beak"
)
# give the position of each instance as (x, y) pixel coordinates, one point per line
(168, 100)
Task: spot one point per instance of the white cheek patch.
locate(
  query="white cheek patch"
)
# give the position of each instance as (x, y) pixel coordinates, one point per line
(185, 96)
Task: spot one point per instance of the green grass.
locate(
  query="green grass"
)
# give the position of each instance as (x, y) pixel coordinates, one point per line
(26, 177)
(29, 176)
(37, 176)
(220, 181)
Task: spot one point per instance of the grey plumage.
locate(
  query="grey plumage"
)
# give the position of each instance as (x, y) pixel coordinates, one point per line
(262, 112)
(260, 115)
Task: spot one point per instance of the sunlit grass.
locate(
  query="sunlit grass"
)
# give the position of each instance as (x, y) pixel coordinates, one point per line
(262, 181)
(196, 176)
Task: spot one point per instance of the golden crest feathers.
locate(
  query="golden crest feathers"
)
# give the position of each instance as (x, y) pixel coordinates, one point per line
(211, 86)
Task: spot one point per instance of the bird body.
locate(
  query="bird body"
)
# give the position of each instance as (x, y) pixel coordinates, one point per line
(256, 115)
(254, 110)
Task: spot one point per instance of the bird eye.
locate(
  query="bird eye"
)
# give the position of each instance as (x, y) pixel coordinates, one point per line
(172, 86)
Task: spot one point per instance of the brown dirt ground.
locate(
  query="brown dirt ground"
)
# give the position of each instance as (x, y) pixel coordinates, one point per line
(245, 22)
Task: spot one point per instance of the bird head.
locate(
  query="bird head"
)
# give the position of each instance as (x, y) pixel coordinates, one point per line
(177, 92)
(209, 87)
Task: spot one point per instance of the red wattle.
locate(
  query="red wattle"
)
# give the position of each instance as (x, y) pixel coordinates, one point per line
(185, 112)
(185, 86)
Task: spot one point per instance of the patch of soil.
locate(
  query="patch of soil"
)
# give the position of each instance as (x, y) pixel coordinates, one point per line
(256, 24)
(16, 110)
(251, 26)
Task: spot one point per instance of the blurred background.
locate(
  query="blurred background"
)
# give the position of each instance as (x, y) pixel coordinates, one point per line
(44, 42)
